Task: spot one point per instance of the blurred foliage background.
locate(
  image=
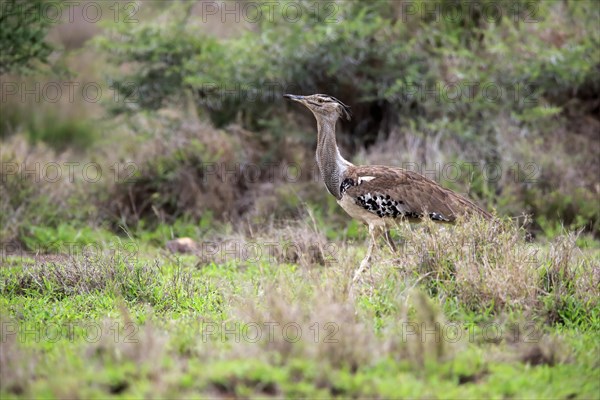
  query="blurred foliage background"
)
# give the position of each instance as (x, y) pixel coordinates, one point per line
(178, 105)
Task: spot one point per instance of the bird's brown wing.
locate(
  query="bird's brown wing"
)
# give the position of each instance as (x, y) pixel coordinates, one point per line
(395, 192)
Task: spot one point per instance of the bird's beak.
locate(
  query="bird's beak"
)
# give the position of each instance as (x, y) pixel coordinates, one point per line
(293, 97)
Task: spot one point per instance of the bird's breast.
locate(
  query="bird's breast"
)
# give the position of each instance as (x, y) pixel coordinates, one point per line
(358, 212)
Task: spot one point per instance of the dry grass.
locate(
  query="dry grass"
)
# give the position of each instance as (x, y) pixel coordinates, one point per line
(487, 265)
(16, 364)
(33, 182)
(414, 330)
(83, 275)
(330, 329)
(300, 243)
(142, 346)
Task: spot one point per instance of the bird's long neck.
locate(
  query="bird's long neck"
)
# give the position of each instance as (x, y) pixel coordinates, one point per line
(331, 163)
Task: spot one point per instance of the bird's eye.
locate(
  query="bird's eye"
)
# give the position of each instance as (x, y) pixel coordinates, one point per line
(320, 100)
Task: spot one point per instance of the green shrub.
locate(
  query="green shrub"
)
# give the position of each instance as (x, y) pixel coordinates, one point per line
(368, 56)
(160, 52)
(23, 35)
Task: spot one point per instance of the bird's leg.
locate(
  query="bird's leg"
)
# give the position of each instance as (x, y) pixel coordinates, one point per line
(365, 263)
(389, 241)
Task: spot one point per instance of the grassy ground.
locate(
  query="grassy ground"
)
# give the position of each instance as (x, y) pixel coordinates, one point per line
(470, 311)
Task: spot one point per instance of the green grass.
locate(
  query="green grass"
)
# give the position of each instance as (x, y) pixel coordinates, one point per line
(163, 325)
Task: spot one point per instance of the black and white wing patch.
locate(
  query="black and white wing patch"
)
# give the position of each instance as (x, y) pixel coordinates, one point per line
(349, 182)
(383, 204)
(346, 184)
(386, 207)
(438, 217)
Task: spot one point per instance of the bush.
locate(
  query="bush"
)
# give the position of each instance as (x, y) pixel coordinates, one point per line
(193, 173)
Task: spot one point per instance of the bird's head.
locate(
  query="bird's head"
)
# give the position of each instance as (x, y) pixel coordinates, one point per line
(322, 105)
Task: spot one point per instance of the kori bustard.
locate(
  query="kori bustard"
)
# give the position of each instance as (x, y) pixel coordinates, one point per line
(377, 195)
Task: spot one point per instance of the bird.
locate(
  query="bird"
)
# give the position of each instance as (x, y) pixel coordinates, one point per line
(377, 195)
